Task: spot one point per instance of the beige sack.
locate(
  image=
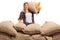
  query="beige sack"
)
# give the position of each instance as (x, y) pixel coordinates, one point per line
(4, 36)
(50, 28)
(48, 38)
(21, 36)
(34, 7)
(7, 27)
(56, 36)
(32, 29)
(38, 37)
(19, 26)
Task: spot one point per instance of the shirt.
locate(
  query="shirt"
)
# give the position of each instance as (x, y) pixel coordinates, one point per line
(22, 16)
(28, 17)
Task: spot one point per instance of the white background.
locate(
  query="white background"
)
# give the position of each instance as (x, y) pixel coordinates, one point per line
(10, 10)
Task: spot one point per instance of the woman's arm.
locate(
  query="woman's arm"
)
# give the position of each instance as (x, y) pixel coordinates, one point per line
(20, 19)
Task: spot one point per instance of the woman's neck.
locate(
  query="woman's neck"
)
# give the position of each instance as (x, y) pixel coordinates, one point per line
(26, 11)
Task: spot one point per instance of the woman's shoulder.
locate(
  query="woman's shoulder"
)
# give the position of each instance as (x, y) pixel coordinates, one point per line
(22, 13)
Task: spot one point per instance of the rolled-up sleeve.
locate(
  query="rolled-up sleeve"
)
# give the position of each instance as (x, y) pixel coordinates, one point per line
(20, 16)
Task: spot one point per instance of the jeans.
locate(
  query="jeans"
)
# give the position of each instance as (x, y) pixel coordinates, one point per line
(27, 23)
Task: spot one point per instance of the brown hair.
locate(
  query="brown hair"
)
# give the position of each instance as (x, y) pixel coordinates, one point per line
(25, 3)
(28, 8)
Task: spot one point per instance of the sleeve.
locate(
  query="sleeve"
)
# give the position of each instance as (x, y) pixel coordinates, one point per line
(20, 16)
(33, 18)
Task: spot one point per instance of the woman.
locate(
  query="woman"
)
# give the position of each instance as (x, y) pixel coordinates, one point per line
(26, 15)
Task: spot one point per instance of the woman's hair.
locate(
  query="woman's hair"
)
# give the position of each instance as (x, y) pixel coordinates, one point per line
(28, 8)
(25, 3)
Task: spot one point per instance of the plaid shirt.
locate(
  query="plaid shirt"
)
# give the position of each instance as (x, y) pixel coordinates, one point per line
(22, 16)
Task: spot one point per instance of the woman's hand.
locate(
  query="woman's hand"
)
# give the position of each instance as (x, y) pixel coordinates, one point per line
(20, 20)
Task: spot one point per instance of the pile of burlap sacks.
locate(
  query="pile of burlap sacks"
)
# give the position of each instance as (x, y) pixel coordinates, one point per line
(19, 31)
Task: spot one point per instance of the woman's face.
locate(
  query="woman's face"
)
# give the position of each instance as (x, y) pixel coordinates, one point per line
(26, 6)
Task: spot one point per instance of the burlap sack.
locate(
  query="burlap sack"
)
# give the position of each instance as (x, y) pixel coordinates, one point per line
(4, 36)
(19, 26)
(49, 38)
(32, 29)
(7, 27)
(34, 7)
(38, 37)
(21, 36)
(49, 28)
(56, 36)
